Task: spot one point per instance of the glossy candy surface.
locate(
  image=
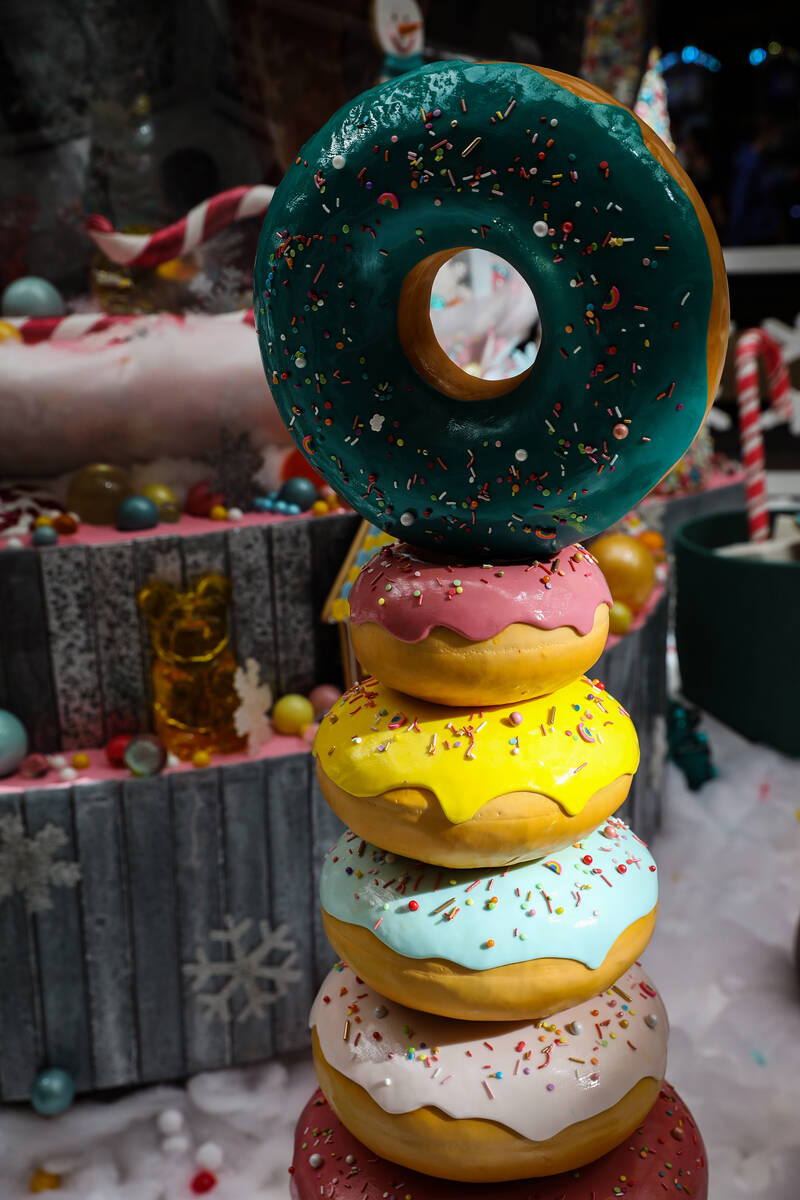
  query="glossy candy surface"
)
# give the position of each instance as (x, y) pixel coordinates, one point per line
(617, 248)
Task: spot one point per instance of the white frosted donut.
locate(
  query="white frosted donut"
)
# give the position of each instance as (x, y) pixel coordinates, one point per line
(483, 1100)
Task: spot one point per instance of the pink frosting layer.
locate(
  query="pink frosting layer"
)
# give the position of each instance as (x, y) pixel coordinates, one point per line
(410, 594)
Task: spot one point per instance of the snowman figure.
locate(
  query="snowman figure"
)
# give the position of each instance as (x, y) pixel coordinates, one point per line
(400, 32)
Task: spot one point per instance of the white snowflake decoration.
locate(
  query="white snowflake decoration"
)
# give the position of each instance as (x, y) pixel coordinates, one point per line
(30, 866)
(255, 699)
(247, 971)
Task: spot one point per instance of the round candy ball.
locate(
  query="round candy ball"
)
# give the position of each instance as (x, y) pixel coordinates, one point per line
(619, 618)
(137, 512)
(65, 523)
(97, 491)
(53, 1091)
(323, 697)
(145, 755)
(159, 493)
(115, 749)
(299, 491)
(44, 535)
(292, 713)
(200, 499)
(9, 333)
(628, 567)
(169, 513)
(13, 742)
(32, 296)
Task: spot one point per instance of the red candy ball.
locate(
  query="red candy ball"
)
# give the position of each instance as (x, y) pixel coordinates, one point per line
(203, 1182)
(587, 858)
(413, 905)
(115, 750)
(200, 499)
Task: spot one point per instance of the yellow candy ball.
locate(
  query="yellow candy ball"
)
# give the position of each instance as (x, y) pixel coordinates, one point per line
(628, 567)
(159, 493)
(40, 521)
(80, 760)
(291, 713)
(619, 618)
(44, 1181)
(319, 508)
(201, 758)
(9, 332)
(218, 512)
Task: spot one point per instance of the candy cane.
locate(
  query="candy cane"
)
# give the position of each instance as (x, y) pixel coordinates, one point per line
(199, 224)
(752, 344)
(34, 330)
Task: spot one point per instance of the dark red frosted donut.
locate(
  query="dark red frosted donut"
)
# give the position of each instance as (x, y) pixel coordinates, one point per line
(665, 1157)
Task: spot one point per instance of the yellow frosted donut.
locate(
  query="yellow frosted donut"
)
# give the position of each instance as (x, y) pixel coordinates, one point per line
(475, 787)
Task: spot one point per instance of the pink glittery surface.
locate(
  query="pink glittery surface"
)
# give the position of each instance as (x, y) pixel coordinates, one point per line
(476, 601)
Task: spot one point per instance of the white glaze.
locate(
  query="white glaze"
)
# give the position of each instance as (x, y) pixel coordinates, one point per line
(453, 1069)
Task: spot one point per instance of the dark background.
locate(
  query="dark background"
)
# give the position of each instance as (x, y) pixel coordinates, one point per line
(235, 87)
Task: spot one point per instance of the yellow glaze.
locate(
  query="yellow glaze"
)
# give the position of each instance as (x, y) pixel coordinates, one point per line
(567, 746)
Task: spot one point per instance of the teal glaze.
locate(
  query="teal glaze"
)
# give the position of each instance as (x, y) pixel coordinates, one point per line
(522, 475)
(595, 910)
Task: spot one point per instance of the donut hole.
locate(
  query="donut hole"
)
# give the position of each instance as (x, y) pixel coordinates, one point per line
(422, 346)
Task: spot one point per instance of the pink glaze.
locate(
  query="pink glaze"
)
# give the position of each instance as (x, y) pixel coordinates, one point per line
(100, 769)
(564, 591)
(101, 535)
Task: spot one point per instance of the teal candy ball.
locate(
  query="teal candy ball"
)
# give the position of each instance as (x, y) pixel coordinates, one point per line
(145, 755)
(31, 296)
(44, 535)
(53, 1091)
(13, 742)
(299, 491)
(137, 512)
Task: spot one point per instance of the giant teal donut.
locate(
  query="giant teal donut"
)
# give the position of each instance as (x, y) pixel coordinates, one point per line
(601, 220)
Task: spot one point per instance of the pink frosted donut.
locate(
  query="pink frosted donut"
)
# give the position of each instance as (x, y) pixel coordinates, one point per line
(664, 1157)
(490, 633)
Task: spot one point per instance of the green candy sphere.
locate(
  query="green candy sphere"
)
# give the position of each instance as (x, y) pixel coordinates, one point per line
(299, 491)
(13, 742)
(137, 512)
(145, 755)
(32, 296)
(53, 1092)
(44, 535)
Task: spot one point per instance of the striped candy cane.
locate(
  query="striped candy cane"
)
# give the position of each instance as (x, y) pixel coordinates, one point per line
(755, 343)
(34, 330)
(199, 224)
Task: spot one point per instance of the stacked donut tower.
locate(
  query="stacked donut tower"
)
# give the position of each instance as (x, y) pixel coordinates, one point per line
(489, 1030)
